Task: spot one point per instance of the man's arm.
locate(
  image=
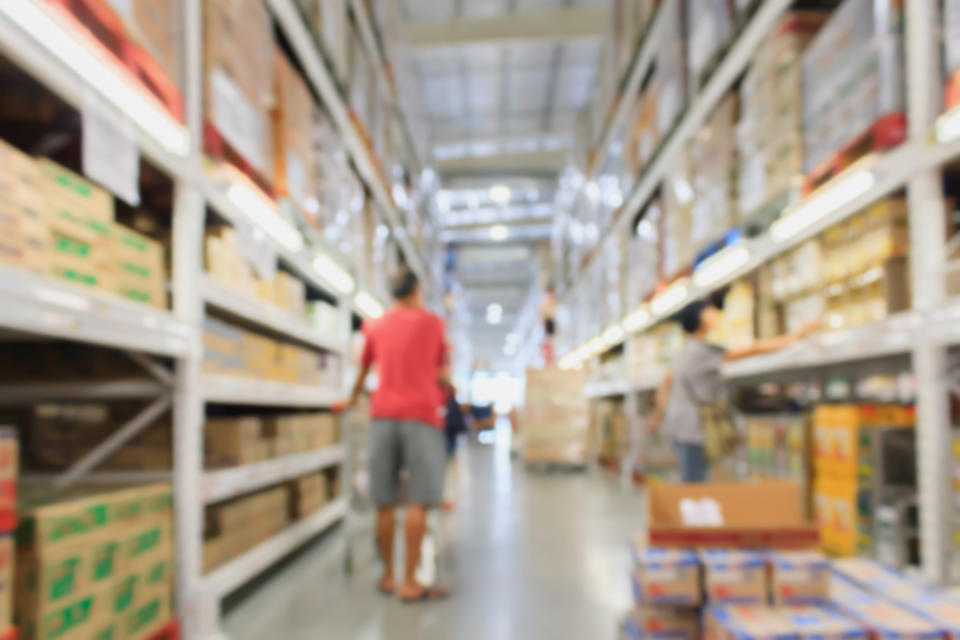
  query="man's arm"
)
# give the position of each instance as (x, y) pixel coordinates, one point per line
(769, 345)
(662, 398)
(359, 384)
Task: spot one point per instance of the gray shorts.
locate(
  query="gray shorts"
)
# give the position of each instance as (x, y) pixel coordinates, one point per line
(411, 445)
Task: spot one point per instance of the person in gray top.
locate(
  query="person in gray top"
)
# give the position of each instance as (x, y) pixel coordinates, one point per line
(696, 380)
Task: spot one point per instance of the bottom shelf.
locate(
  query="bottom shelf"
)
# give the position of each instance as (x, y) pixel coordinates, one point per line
(240, 570)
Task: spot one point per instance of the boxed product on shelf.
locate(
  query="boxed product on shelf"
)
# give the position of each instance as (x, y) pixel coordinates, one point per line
(238, 80)
(669, 76)
(645, 255)
(86, 563)
(140, 266)
(665, 577)
(853, 80)
(738, 316)
(682, 623)
(555, 417)
(229, 442)
(769, 132)
(811, 622)
(712, 158)
(155, 26)
(799, 578)
(239, 525)
(25, 237)
(59, 434)
(293, 135)
(746, 621)
(882, 617)
(308, 494)
(709, 27)
(777, 447)
(732, 576)
(678, 200)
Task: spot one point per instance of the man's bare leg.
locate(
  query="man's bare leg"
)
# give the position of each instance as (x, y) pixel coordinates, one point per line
(415, 527)
(386, 528)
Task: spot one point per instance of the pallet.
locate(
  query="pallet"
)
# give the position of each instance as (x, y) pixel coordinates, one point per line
(96, 22)
(216, 146)
(887, 132)
(171, 631)
(554, 466)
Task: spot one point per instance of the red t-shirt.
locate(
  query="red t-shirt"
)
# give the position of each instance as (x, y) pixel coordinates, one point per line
(408, 347)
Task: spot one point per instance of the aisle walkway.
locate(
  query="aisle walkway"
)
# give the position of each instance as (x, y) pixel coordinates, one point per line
(529, 557)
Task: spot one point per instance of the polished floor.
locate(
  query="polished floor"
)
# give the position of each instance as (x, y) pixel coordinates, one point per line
(529, 556)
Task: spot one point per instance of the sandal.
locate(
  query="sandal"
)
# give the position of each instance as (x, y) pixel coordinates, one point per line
(428, 594)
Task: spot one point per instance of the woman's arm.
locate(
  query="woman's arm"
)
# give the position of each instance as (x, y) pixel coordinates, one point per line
(769, 345)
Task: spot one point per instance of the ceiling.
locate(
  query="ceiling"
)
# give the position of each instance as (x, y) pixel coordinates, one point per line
(499, 84)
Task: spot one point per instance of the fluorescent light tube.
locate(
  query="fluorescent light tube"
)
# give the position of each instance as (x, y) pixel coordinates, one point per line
(613, 335)
(637, 320)
(263, 213)
(100, 74)
(499, 233)
(720, 265)
(822, 205)
(368, 305)
(334, 274)
(671, 299)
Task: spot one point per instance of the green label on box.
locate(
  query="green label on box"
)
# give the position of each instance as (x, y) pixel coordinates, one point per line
(158, 573)
(58, 624)
(78, 187)
(125, 593)
(136, 295)
(145, 616)
(110, 633)
(157, 503)
(104, 561)
(61, 579)
(145, 542)
(135, 243)
(127, 509)
(136, 270)
(87, 520)
(72, 247)
(83, 278)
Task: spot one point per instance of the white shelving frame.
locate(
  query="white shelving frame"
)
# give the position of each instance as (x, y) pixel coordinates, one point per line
(41, 306)
(923, 334)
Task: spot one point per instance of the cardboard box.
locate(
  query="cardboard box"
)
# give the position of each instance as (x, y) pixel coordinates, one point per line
(884, 619)
(734, 577)
(746, 623)
(770, 514)
(822, 623)
(666, 577)
(648, 623)
(799, 578)
(67, 192)
(874, 577)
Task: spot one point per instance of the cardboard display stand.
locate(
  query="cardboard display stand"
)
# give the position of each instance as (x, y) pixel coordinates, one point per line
(768, 515)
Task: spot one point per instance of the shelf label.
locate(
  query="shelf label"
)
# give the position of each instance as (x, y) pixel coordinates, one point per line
(110, 156)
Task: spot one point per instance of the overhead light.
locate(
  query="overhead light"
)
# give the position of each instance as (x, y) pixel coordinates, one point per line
(494, 314)
(820, 206)
(671, 299)
(368, 305)
(101, 75)
(443, 201)
(499, 233)
(948, 126)
(264, 214)
(596, 345)
(637, 320)
(720, 265)
(500, 193)
(592, 190)
(613, 335)
(333, 273)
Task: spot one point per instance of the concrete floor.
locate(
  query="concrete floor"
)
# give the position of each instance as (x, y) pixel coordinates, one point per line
(528, 556)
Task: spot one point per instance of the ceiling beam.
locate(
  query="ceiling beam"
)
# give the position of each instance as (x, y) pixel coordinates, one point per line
(505, 163)
(549, 25)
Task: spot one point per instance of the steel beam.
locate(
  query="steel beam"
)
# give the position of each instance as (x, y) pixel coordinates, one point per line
(552, 25)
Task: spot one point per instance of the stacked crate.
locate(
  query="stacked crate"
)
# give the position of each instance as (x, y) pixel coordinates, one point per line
(853, 82)
(712, 155)
(556, 421)
(96, 565)
(239, 525)
(770, 133)
(24, 235)
(293, 136)
(235, 441)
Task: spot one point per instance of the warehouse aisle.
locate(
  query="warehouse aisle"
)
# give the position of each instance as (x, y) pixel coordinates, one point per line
(529, 557)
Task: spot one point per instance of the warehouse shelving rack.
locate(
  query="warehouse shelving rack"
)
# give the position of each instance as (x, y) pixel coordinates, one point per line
(40, 306)
(923, 333)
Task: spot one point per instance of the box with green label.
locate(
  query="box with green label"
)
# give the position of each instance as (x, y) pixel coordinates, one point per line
(64, 190)
(139, 267)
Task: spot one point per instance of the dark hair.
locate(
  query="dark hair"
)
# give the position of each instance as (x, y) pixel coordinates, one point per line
(689, 316)
(404, 284)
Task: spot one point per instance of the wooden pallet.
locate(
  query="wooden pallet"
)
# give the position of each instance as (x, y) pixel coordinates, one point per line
(217, 147)
(885, 133)
(98, 24)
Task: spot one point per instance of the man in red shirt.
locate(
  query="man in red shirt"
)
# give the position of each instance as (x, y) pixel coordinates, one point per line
(407, 345)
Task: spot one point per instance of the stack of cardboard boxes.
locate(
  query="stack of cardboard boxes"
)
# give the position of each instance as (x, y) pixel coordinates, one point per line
(293, 137)
(155, 26)
(230, 442)
(237, 352)
(712, 157)
(853, 78)
(770, 134)
(95, 566)
(238, 79)
(778, 447)
(56, 222)
(845, 467)
(556, 417)
(235, 527)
